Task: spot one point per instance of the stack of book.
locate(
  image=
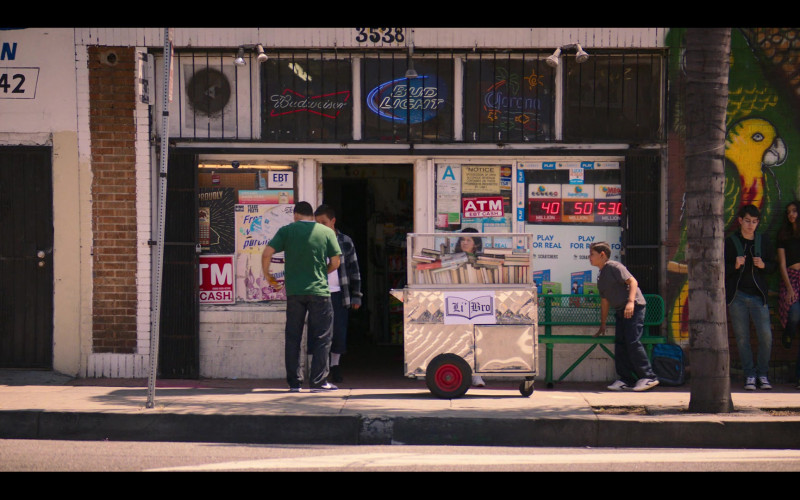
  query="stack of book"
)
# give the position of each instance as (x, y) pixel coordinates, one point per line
(492, 266)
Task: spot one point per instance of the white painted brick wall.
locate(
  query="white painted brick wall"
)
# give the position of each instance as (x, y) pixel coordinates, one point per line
(244, 343)
(107, 365)
(144, 223)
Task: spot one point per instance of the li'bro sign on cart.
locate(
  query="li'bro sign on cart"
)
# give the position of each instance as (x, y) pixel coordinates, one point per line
(469, 307)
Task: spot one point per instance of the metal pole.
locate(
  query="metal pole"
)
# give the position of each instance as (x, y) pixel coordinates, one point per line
(155, 310)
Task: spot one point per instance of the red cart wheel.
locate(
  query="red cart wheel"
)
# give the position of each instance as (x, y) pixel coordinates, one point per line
(448, 376)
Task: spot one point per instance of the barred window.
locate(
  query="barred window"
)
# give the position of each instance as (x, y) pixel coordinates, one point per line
(508, 98)
(613, 97)
(306, 98)
(401, 109)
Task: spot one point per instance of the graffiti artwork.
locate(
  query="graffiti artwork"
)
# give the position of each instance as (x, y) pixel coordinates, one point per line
(762, 133)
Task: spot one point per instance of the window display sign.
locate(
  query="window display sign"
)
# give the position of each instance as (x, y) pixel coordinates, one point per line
(608, 199)
(408, 100)
(280, 179)
(561, 256)
(306, 99)
(256, 225)
(568, 205)
(397, 108)
(216, 220)
(544, 203)
(578, 203)
(483, 206)
(216, 282)
(267, 196)
(508, 99)
(473, 196)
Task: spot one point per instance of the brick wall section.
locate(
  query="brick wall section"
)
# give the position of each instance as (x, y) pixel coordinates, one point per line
(112, 129)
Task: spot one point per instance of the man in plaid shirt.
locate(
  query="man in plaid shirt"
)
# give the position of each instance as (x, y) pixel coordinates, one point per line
(345, 286)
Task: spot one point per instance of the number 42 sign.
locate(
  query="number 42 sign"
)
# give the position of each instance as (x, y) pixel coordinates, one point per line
(18, 83)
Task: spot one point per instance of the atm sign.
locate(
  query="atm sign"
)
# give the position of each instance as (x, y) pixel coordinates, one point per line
(483, 206)
(216, 279)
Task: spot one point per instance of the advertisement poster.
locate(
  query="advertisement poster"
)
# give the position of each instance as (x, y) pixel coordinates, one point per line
(266, 196)
(562, 254)
(216, 281)
(256, 225)
(215, 214)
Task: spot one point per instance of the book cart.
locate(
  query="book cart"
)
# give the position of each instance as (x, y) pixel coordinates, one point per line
(469, 313)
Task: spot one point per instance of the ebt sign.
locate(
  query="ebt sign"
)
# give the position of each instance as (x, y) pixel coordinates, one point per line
(216, 279)
(412, 100)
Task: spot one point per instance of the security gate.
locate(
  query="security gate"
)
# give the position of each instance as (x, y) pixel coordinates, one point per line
(179, 344)
(26, 251)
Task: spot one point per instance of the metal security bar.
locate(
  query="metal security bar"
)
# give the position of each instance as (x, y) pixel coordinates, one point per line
(214, 96)
(614, 97)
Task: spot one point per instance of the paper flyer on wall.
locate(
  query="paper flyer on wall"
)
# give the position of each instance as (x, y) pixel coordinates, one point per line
(256, 225)
(215, 214)
(448, 196)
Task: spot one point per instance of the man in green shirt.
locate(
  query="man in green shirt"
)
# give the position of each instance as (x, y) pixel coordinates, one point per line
(310, 252)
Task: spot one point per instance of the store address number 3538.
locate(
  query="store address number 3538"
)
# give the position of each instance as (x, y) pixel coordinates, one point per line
(378, 35)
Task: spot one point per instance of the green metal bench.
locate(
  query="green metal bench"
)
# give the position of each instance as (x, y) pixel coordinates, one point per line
(582, 310)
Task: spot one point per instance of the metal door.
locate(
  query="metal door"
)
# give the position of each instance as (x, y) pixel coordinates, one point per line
(179, 345)
(642, 231)
(26, 251)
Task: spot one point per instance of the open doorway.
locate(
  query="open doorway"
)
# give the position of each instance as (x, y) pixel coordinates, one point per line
(374, 206)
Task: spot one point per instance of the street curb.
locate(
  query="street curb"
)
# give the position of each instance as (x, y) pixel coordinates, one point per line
(259, 429)
(383, 430)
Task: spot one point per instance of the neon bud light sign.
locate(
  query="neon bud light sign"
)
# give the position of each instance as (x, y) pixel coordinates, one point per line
(408, 99)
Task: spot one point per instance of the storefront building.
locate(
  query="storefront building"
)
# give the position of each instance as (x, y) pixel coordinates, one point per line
(399, 129)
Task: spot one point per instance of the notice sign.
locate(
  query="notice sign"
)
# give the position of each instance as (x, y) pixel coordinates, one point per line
(475, 179)
(216, 279)
(469, 307)
(482, 206)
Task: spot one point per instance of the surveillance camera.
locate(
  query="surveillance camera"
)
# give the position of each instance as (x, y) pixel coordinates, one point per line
(235, 164)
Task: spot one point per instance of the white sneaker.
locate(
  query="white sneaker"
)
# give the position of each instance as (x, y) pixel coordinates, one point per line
(763, 383)
(619, 385)
(750, 384)
(644, 384)
(477, 381)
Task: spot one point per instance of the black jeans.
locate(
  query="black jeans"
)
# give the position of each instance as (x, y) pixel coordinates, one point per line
(340, 321)
(630, 357)
(320, 328)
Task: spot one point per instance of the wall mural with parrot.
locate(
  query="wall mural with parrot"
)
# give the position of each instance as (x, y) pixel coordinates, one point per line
(762, 146)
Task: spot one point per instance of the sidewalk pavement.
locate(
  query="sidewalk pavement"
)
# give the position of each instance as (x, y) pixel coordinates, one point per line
(387, 410)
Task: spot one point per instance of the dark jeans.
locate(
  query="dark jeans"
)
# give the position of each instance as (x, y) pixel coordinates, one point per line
(743, 308)
(340, 317)
(320, 321)
(630, 357)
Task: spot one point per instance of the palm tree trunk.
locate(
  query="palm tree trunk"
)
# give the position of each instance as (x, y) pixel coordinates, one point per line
(707, 65)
